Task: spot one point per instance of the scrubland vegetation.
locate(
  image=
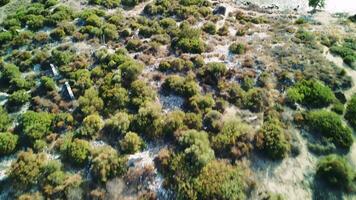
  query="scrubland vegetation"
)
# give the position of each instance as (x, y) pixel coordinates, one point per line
(84, 89)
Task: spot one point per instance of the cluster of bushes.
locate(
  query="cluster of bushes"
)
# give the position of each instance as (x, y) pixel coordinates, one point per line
(181, 86)
(336, 172)
(310, 93)
(329, 126)
(350, 114)
(273, 139)
(188, 40)
(106, 3)
(347, 50)
(237, 48)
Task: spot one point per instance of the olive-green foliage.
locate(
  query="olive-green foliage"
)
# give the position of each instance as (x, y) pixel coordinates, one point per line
(255, 99)
(35, 125)
(317, 3)
(212, 121)
(196, 147)
(304, 36)
(247, 83)
(229, 134)
(338, 108)
(106, 3)
(131, 143)
(310, 93)
(18, 98)
(209, 27)
(5, 120)
(60, 58)
(141, 93)
(26, 170)
(4, 2)
(131, 3)
(336, 172)
(5, 37)
(330, 126)
(193, 121)
(181, 86)
(8, 142)
(9, 72)
(48, 83)
(131, 70)
(39, 145)
(221, 180)
(91, 125)
(272, 139)
(213, 72)
(173, 121)
(58, 183)
(350, 115)
(201, 103)
(118, 124)
(78, 152)
(149, 121)
(175, 65)
(107, 164)
(347, 50)
(134, 45)
(189, 40)
(237, 48)
(91, 102)
(115, 98)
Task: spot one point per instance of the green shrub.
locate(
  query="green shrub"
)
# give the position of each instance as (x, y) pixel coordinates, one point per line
(213, 72)
(237, 48)
(350, 114)
(305, 36)
(18, 98)
(25, 171)
(8, 143)
(141, 93)
(131, 143)
(48, 83)
(200, 103)
(174, 121)
(91, 102)
(330, 126)
(180, 86)
(131, 3)
(131, 70)
(272, 139)
(310, 93)
(4, 2)
(209, 27)
(336, 172)
(106, 3)
(35, 125)
(118, 124)
(91, 125)
(213, 121)
(221, 180)
(78, 152)
(134, 45)
(255, 99)
(39, 145)
(196, 147)
(106, 164)
(149, 121)
(193, 121)
(231, 131)
(338, 108)
(191, 45)
(5, 120)
(5, 37)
